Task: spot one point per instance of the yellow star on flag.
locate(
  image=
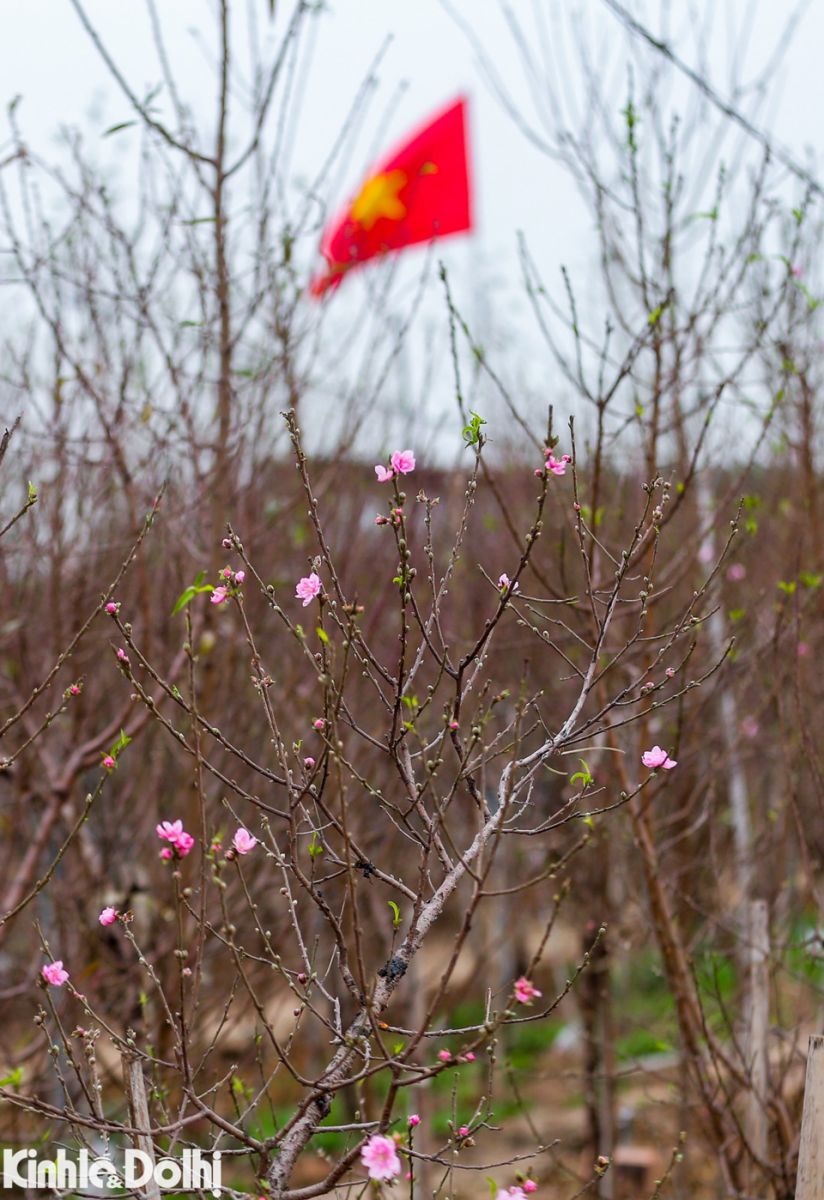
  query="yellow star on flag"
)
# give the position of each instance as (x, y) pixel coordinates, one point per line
(379, 198)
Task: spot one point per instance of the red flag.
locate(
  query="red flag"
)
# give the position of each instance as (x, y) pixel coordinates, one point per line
(417, 193)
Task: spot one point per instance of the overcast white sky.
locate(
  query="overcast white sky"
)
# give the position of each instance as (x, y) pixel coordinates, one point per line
(47, 58)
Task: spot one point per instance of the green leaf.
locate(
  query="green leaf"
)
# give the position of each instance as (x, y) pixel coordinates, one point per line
(194, 589)
(315, 846)
(396, 914)
(788, 588)
(31, 493)
(322, 634)
(472, 431)
(116, 128)
(585, 775)
(810, 580)
(13, 1079)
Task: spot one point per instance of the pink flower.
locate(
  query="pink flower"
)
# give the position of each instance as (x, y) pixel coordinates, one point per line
(307, 588)
(108, 762)
(74, 689)
(557, 466)
(166, 853)
(243, 841)
(414, 1120)
(383, 473)
(308, 762)
(184, 844)
(112, 607)
(403, 461)
(239, 577)
(380, 1157)
(122, 655)
(219, 595)
(445, 1056)
(506, 584)
(656, 757)
(173, 832)
(750, 727)
(226, 573)
(169, 831)
(530, 1186)
(796, 271)
(108, 916)
(469, 1056)
(803, 649)
(525, 991)
(379, 520)
(513, 1193)
(670, 672)
(319, 723)
(54, 974)
(737, 572)
(463, 1131)
(453, 725)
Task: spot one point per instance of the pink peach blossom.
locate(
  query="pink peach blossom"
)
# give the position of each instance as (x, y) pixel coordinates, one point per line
(108, 916)
(243, 841)
(469, 1056)
(656, 757)
(750, 727)
(307, 588)
(463, 1131)
(108, 762)
(219, 595)
(319, 723)
(737, 572)
(239, 577)
(383, 473)
(529, 1185)
(380, 1157)
(112, 607)
(184, 844)
(169, 831)
(513, 1193)
(414, 1120)
(308, 762)
(525, 991)
(670, 672)
(557, 466)
(122, 655)
(403, 461)
(54, 973)
(166, 853)
(506, 584)
(445, 1055)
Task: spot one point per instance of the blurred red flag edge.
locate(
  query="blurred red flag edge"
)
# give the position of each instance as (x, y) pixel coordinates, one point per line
(419, 192)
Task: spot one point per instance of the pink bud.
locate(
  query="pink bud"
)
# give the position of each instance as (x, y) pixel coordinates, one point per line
(308, 762)
(108, 762)
(469, 1056)
(112, 608)
(319, 723)
(414, 1120)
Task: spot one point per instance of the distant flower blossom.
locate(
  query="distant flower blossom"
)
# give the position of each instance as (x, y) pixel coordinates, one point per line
(54, 973)
(656, 757)
(219, 595)
(737, 572)
(383, 473)
(803, 649)
(174, 833)
(706, 553)
(525, 991)
(797, 271)
(108, 916)
(403, 461)
(557, 466)
(506, 584)
(307, 588)
(243, 841)
(750, 727)
(380, 1157)
(513, 1193)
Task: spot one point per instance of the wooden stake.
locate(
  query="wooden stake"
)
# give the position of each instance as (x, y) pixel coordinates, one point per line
(139, 1114)
(810, 1181)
